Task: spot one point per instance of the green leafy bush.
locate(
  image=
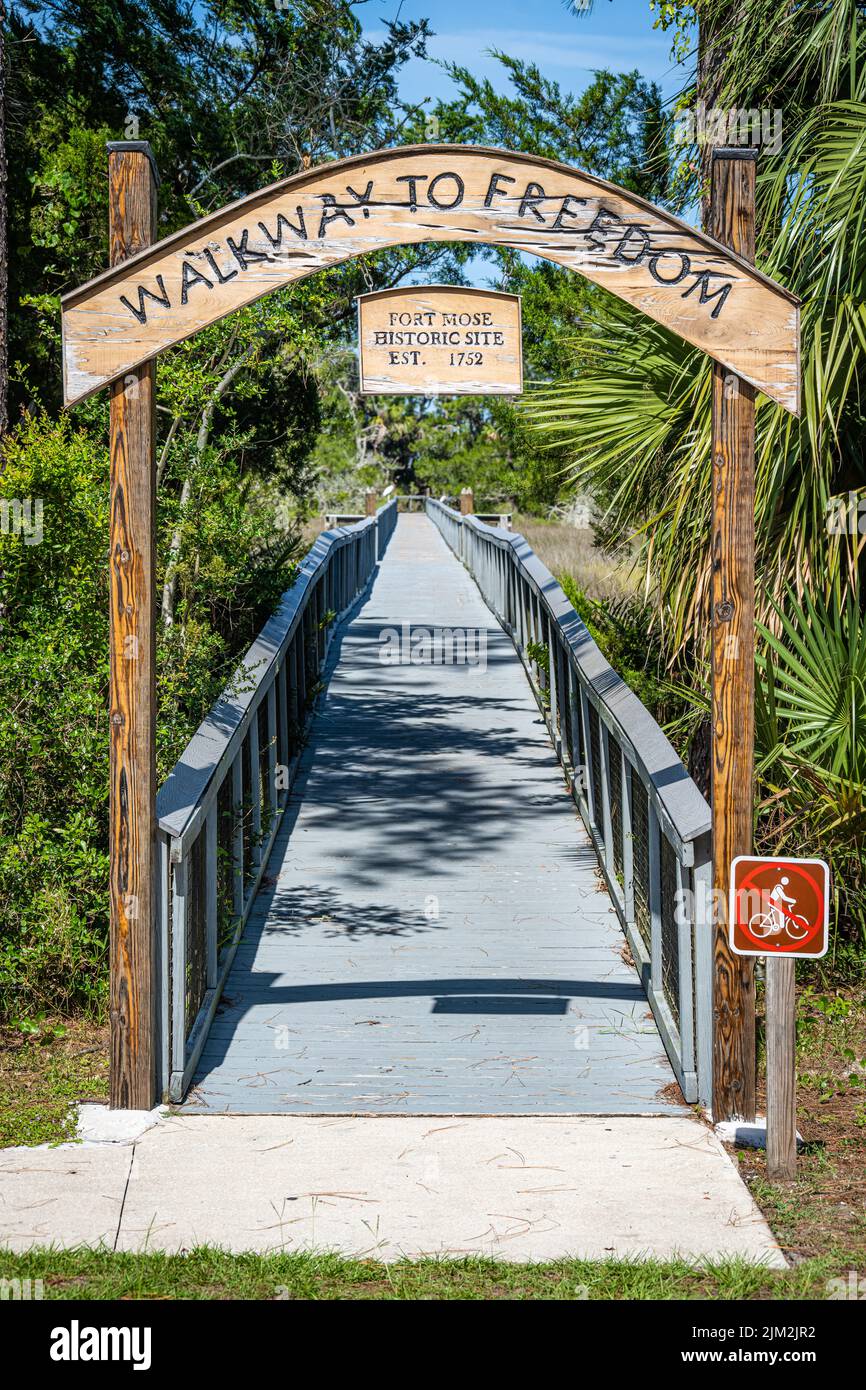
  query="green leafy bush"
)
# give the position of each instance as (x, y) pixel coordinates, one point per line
(621, 628)
(811, 744)
(53, 724)
(54, 687)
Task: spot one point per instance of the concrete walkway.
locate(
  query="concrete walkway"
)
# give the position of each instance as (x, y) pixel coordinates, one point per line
(434, 936)
(511, 1187)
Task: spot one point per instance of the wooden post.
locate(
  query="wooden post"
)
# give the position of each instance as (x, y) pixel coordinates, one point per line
(467, 501)
(370, 501)
(733, 656)
(781, 1070)
(132, 182)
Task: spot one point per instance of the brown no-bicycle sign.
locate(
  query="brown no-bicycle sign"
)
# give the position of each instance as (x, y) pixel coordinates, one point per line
(779, 907)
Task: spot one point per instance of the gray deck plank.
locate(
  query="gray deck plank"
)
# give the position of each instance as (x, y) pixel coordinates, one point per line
(432, 935)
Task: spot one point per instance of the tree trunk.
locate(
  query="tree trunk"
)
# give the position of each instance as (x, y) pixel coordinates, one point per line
(4, 242)
(170, 583)
(711, 56)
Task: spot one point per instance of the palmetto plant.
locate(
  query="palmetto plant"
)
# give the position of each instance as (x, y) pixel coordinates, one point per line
(811, 738)
(635, 418)
(635, 422)
(814, 687)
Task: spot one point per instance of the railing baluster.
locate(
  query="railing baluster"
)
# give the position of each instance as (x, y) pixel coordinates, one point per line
(163, 907)
(178, 965)
(702, 880)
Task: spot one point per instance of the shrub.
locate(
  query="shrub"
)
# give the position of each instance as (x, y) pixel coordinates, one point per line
(54, 773)
(53, 724)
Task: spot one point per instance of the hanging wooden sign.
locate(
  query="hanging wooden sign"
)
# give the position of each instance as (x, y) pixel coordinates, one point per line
(671, 272)
(440, 340)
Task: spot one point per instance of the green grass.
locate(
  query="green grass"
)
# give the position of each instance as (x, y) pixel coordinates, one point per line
(42, 1077)
(213, 1274)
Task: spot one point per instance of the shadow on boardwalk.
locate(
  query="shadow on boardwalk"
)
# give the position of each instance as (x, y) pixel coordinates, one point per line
(433, 936)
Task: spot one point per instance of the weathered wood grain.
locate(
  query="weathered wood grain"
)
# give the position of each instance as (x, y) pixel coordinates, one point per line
(733, 659)
(781, 1071)
(132, 697)
(440, 340)
(680, 277)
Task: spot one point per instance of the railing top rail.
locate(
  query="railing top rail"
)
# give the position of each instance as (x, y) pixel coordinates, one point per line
(361, 516)
(186, 791)
(627, 718)
(471, 517)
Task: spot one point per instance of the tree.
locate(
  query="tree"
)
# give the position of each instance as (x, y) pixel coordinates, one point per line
(4, 246)
(636, 424)
(228, 95)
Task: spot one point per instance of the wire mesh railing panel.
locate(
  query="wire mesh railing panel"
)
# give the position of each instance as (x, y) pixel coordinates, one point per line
(614, 770)
(595, 754)
(247, 773)
(670, 932)
(264, 792)
(225, 863)
(641, 859)
(196, 942)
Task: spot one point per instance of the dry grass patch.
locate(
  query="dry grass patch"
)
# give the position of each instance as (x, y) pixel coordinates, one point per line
(571, 550)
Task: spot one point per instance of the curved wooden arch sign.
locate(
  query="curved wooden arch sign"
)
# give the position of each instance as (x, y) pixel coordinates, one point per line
(680, 277)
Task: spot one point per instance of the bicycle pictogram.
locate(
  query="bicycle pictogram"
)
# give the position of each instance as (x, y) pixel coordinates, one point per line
(777, 918)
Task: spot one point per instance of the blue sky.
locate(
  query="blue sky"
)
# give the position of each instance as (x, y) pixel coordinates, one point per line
(617, 34)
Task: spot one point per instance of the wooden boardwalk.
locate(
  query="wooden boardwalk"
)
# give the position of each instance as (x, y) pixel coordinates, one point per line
(433, 936)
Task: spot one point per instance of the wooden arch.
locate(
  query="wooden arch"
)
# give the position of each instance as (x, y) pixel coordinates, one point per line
(676, 275)
(160, 294)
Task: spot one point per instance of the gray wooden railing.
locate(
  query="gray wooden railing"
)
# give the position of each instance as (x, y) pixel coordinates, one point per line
(648, 821)
(220, 808)
(416, 502)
